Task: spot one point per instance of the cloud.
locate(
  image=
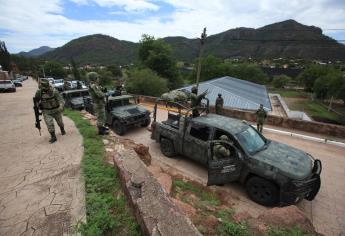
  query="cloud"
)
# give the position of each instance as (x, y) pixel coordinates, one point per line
(127, 5)
(40, 22)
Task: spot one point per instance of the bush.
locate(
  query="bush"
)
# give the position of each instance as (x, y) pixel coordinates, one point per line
(280, 81)
(145, 82)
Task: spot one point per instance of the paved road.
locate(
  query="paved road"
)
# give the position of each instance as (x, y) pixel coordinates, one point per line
(327, 211)
(41, 192)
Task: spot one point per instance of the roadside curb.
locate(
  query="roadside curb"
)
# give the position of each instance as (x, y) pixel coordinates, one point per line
(153, 209)
(306, 137)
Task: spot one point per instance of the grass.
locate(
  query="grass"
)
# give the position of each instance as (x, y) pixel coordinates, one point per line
(106, 209)
(316, 111)
(287, 93)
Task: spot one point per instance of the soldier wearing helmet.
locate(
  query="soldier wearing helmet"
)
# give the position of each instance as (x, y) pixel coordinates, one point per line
(261, 116)
(219, 104)
(98, 96)
(219, 150)
(52, 104)
(196, 100)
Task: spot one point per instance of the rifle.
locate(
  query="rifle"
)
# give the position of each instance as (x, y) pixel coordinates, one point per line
(37, 116)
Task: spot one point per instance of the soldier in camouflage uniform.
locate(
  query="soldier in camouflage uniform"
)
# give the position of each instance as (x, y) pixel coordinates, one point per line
(219, 104)
(98, 102)
(196, 100)
(261, 115)
(219, 151)
(51, 103)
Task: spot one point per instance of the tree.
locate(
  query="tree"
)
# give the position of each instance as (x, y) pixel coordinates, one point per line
(145, 82)
(280, 81)
(157, 55)
(105, 78)
(321, 87)
(75, 70)
(311, 74)
(5, 57)
(115, 70)
(54, 69)
(210, 69)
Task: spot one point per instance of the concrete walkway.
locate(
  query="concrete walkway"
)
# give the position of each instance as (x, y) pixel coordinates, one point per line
(41, 191)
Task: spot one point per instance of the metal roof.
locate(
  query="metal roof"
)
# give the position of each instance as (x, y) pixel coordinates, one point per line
(236, 93)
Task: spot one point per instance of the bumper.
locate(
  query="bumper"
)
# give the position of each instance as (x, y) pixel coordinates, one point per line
(77, 106)
(302, 189)
(140, 119)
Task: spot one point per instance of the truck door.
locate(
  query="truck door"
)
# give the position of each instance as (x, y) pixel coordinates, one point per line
(226, 169)
(195, 142)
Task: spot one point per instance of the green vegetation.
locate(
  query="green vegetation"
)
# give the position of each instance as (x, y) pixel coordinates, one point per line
(145, 82)
(228, 228)
(289, 93)
(5, 57)
(106, 210)
(213, 67)
(54, 69)
(156, 55)
(316, 111)
(280, 81)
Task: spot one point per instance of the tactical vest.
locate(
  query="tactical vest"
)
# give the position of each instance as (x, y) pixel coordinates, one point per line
(49, 101)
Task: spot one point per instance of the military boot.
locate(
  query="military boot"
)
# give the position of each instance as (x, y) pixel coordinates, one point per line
(63, 132)
(52, 137)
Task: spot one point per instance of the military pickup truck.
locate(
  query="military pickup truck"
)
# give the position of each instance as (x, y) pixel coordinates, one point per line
(273, 173)
(123, 112)
(75, 98)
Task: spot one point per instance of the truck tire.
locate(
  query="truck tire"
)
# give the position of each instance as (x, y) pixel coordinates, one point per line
(119, 128)
(146, 123)
(167, 147)
(262, 191)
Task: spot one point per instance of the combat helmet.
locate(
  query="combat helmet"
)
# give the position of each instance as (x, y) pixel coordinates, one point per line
(92, 76)
(44, 84)
(194, 89)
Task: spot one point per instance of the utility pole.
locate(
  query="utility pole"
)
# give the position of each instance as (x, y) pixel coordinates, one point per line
(202, 42)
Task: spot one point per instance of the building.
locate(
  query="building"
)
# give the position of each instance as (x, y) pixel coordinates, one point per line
(239, 94)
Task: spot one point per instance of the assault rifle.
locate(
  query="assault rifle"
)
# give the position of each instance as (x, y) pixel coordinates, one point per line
(37, 115)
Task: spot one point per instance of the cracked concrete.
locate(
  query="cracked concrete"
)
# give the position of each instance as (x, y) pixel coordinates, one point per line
(41, 190)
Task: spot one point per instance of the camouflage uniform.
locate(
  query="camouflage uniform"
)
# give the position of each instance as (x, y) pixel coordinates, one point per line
(98, 102)
(219, 104)
(195, 101)
(219, 151)
(261, 115)
(51, 103)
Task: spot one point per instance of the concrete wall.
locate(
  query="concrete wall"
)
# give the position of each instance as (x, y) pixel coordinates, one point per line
(303, 125)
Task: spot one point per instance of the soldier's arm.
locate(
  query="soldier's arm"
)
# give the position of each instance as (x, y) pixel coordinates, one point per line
(38, 95)
(58, 97)
(97, 92)
(224, 151)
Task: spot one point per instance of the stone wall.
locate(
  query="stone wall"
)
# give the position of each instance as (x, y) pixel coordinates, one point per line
(308, 126)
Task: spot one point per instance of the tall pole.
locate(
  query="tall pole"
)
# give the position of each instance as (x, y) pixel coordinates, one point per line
(202, 42)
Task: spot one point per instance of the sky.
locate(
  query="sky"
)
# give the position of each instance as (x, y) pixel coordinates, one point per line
(29, 24)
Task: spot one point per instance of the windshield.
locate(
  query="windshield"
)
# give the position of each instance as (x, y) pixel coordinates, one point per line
(58, 81)
(250, 140)
(5, 82)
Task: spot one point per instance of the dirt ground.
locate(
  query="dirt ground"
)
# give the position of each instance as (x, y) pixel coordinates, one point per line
(41, 191)
(327, 210)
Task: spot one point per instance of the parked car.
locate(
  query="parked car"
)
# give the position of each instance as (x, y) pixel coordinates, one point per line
(273, 173)
(7, 86)
(75, 98)
(58, 84)
(17, 83)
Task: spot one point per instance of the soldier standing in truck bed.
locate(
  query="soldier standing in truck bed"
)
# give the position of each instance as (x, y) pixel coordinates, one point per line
(219, 104)
(52, 104)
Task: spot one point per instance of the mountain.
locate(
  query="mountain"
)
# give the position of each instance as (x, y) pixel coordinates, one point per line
(95, 49)
(287, 39)
(36, 52)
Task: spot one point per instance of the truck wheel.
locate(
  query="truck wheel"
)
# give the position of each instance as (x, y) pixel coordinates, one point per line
(262, 191)
(167, 147)
(146, 123)
(119, 128)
